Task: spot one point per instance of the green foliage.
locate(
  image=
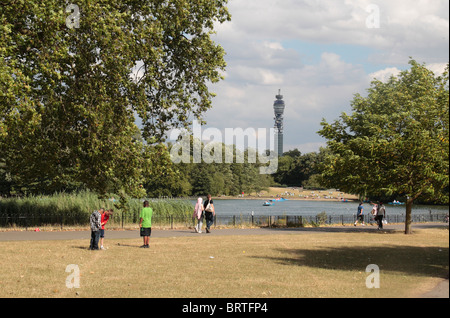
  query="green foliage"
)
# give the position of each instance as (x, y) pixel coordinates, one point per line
(314, 182)
(77, 207)
(321, 219)
(396, 141)
(212, 178)
(171, 208)
(295, 169)
(69, 96)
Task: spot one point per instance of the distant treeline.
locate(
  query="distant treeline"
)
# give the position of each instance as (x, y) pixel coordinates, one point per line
(230, 179)
(188, 179)
(294, 169)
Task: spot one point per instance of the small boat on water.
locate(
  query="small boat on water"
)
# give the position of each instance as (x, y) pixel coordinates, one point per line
(279, 199)
(396, 203)
(272, 202)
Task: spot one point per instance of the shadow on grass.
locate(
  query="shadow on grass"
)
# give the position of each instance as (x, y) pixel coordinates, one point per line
(388, 229)
(81, 247)
(337, 229)
(408, 260)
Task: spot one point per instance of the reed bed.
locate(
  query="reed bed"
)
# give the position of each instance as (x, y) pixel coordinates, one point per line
(75, 208)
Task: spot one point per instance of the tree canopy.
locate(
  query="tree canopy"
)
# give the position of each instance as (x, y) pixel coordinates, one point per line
(70, 93)
(297, 169)
(396, 141)
(215, 178)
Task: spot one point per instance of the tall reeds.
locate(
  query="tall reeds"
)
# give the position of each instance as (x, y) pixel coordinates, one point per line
(75, 208)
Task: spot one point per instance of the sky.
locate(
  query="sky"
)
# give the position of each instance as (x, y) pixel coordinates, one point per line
(320, 53)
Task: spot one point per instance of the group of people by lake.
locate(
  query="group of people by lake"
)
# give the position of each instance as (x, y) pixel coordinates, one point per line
(203, 210)
(378, 212)
(99, 218)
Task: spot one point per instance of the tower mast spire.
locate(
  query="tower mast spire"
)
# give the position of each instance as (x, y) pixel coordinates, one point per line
(278, 108)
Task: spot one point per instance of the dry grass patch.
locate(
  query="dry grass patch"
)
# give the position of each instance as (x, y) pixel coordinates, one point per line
(303, 194)
(295, 266)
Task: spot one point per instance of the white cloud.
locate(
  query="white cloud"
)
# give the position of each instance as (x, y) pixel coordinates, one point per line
(385, 75)
(318, 82)
(437, 68)
(407, 28)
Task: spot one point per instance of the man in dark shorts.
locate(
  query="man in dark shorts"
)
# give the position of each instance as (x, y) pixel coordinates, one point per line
(145, 224)
(360, 214)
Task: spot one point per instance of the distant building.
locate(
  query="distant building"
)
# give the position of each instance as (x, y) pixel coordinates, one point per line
(278, 107)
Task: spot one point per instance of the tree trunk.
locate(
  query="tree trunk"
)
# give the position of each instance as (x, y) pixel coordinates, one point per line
(408, 221)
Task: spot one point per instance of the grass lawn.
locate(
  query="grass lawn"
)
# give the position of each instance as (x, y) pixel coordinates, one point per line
(319, 264)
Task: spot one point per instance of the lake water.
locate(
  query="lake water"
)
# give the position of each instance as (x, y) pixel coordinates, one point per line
(300, 207)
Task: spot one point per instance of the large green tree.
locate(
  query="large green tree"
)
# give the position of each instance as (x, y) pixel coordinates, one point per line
(396, 141)
(73, 79)
(294, 168)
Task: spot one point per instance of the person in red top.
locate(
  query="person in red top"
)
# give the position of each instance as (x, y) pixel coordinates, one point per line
(105, 218)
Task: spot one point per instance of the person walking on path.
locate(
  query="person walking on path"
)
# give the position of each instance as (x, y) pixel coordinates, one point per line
(381, 214)
(210, 212)
(198, 215)
(360, 214)
(95, 221)
(373, 218)
(145, 224)
(105, 218)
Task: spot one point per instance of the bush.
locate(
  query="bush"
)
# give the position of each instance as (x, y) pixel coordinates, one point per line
(321, 218)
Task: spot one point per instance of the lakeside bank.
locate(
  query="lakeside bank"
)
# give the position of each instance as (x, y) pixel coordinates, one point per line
(294, 193)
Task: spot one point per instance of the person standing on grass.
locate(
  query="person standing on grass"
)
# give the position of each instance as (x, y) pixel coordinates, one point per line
(360, 214)
(95, 221)
(208, 206)
(145, 224)
(105, 218)
(198, 215)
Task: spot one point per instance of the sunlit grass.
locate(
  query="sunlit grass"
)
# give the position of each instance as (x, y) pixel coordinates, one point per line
(280, 266)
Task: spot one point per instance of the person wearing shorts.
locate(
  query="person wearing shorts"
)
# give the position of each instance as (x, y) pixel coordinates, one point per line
(145, 224)
(105, 218)
(360, 214)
